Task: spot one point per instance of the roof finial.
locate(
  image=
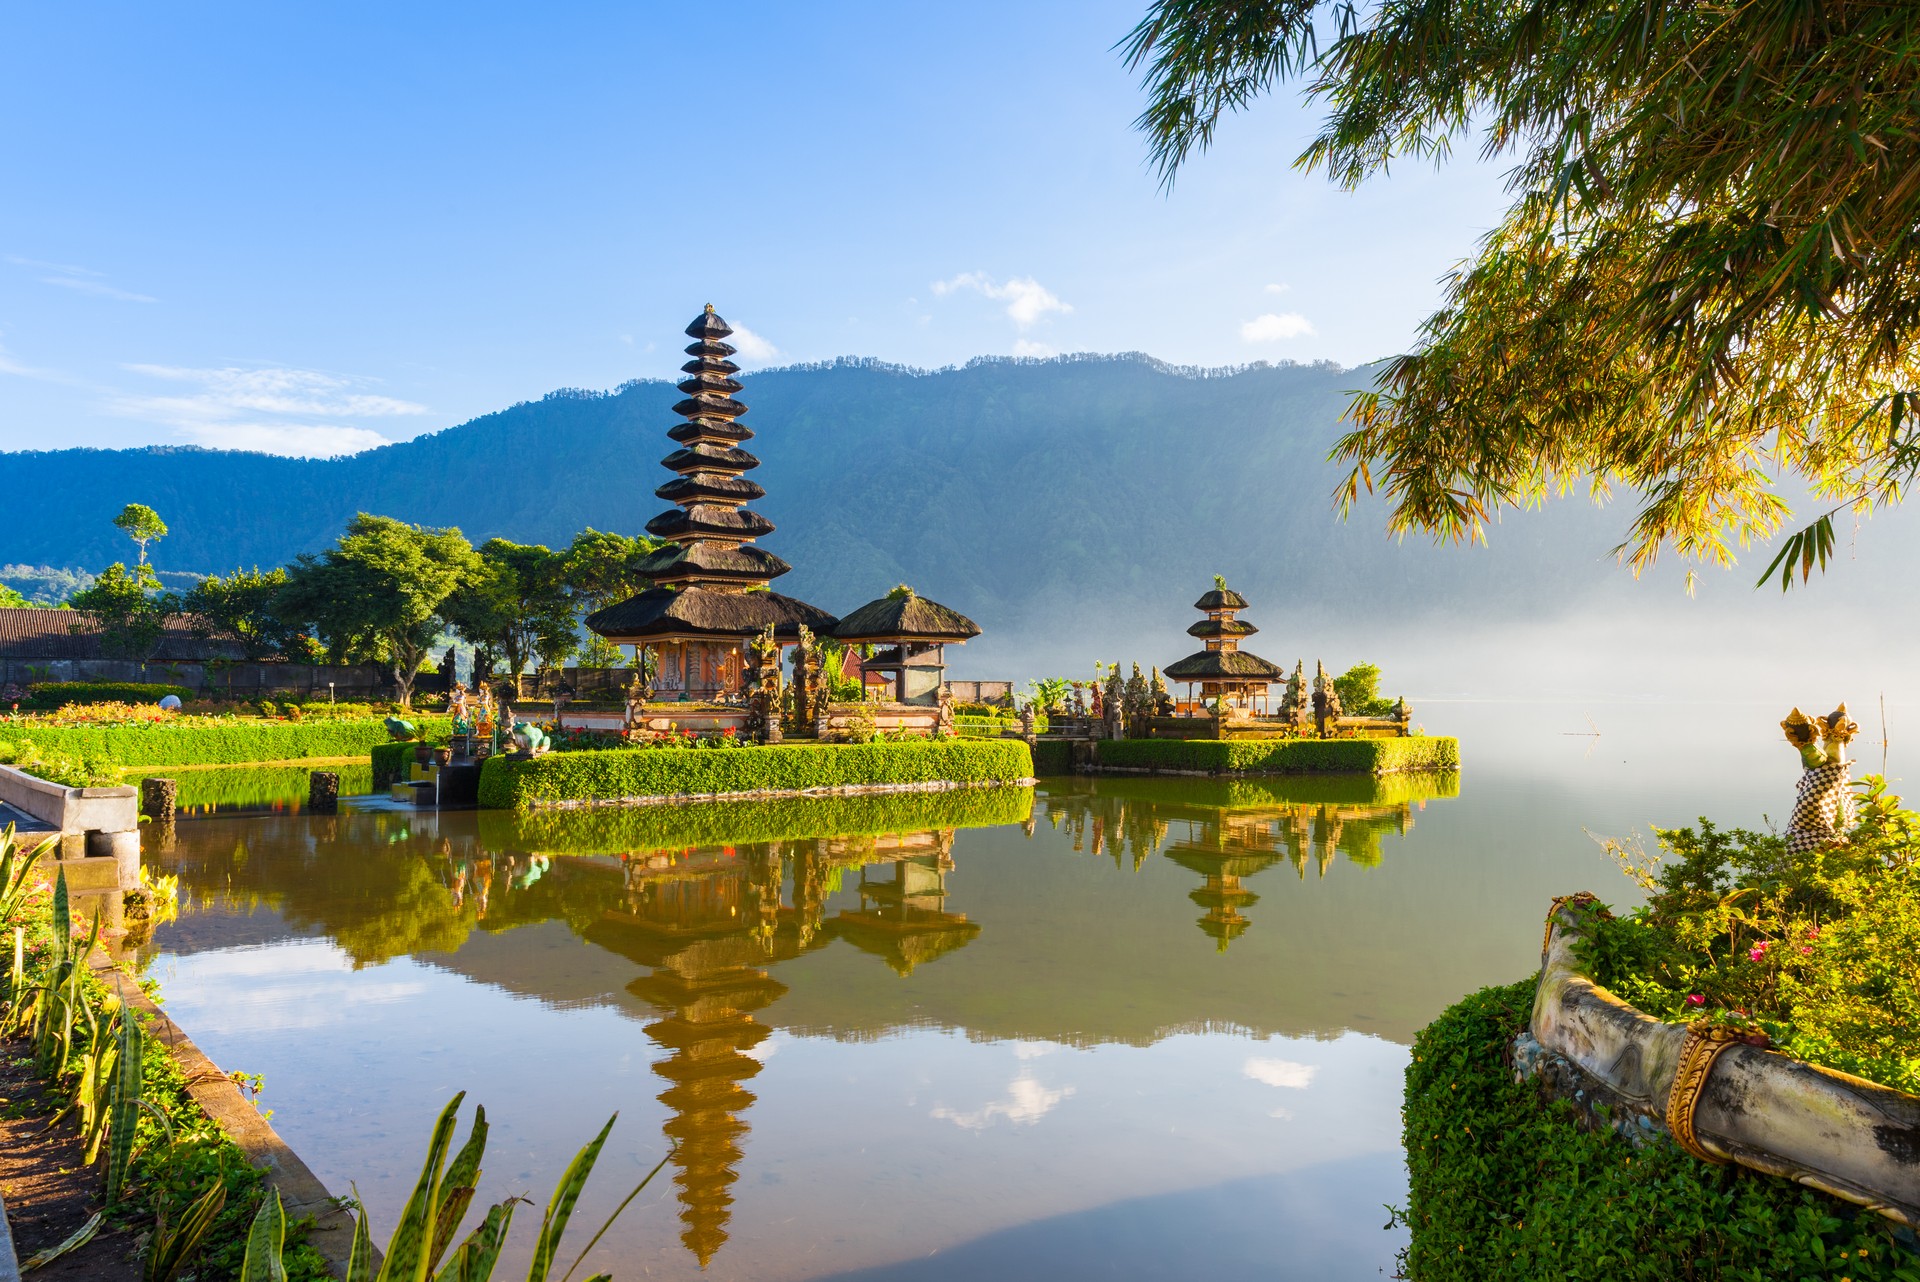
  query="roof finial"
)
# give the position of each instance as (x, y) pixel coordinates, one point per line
(709, 308)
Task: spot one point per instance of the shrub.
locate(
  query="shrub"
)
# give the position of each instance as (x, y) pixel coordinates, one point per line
(1503, 1185)
(642, 772)
(54, 694)
(194, 741)
(57, 767)
(1053, 757)
(391, 762)
(1283, 756)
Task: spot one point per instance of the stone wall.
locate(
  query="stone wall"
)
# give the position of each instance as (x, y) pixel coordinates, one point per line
(355, 681)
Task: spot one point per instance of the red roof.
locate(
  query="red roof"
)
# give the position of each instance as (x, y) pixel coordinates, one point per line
(70, 634)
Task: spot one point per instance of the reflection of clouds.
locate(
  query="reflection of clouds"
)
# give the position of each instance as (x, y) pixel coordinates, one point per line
(1027, 1102)
(1033, 1050)
(1280, 1072)
(764, 1051)
(285, 986)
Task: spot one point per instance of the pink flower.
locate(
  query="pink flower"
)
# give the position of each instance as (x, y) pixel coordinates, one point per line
(1695, 999)
(1758, 951)
(1805, 949)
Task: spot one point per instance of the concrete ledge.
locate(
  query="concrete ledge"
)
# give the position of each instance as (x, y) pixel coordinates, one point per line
(105, 810)
(300, 1190)
(1843, 1135)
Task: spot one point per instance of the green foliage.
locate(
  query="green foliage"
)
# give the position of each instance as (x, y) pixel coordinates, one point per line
(515, 604)
(56, 694)
(1822, 949)
(643, 772)
(245, 605)
(10, 599)
(1284, 756)
(600, 567)
(213, 741)
(141, 524)
(1359, 691)
(379, 592)
(1702, 290)
(391, 763)
(1052, 757)
(618, 829)
(69, 770)
(129, 608)
(1504, 1187)
(254, 785)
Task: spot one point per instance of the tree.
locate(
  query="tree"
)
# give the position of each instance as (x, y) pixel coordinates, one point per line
(600, 567)
(1707, 279)
(141, 524)
(244, 606)
(129, 609)
(1359, 691)
(378, 593)
(10, 599)
(515, 604)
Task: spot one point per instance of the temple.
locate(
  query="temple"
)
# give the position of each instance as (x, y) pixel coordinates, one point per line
(1223, 670)
(912, 635)
(709, 595)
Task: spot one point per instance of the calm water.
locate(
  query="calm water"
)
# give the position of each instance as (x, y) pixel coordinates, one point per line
(1111, 1028)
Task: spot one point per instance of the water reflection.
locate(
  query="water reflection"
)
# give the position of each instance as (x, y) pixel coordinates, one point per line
(716, 928)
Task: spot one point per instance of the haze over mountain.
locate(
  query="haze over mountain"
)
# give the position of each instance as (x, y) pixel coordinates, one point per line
(1075, 507)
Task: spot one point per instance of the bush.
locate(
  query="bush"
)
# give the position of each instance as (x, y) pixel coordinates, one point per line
(1283, 756)
(642, 772)
(213, 741)
(1503, 1185)
(621, 829)
(391, 762)
(57, 767)
(1053, 757)
(53, 694)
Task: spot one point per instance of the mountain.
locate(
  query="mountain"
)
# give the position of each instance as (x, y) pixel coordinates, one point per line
(1068, 505)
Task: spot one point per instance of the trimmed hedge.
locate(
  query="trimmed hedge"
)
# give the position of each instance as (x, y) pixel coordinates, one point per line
(619, 829)
(610, 774)
(1283, 756)
(195, 741)
(391, 762)
(54, 694)
(1504, 1185)
(1053, 757)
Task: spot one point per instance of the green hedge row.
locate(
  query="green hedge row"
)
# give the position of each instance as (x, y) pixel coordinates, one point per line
(193, 741)
(1053, 757)
(391, 761)
(609, 774)
(1283, 756)
(55, 694)
(1506, 1186)
(252, 785)
(619, 829)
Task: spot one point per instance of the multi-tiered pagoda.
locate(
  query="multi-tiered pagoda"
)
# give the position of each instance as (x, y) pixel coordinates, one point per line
(709, 595)
(1223, 670)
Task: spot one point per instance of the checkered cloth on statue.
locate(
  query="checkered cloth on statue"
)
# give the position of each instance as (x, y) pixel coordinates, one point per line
(1822, 807)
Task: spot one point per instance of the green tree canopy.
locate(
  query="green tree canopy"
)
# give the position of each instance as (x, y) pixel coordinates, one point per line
(1705, 291)
(244, 605)
(141, 524)
(10, 598)
(515, 604)
(129, 608)
(378, 593)
(600, 567)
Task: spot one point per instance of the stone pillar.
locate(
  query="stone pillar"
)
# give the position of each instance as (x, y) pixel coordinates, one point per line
(157, 799)
(323, 792)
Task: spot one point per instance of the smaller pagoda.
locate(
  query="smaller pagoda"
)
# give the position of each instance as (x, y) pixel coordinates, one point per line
(1223, 670)
(913, 634)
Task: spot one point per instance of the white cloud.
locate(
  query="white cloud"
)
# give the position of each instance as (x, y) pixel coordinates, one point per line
(280, 411)
(1280, 1072)
(1272, 327)
(10, 365)
(1027, 299)
(1280, 288)
(1027, 347)
(751, 345)
(81, 279)
(1027, 1102)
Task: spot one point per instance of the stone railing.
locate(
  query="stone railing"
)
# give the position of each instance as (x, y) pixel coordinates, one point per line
(98, 831)
(1724, 1101)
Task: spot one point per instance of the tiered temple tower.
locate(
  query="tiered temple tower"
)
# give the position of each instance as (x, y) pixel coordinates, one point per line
(708, 596)
(1223, 667)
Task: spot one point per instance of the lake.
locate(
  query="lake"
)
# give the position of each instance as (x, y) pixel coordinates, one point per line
(1113, 1027)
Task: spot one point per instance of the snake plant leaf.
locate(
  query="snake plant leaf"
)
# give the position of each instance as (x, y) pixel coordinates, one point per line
(126, 1106)
(266, 1239)
(62, 918)
(475, 1258)
(360, 1255)
(171, 1247)
(595, 1239)
(407, 1250)
(463, 1176)
(554, 1223)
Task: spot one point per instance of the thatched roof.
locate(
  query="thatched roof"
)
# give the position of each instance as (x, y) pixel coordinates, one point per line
(1220, 628)
(664, 612)
(706, 458)
(710, 429)
(709, 407)
(710, 364)
(905, 617)
(708, 326)
(711, 350)
(1221, 599)
(1216, 665)
(709, 382)
(905, 945)
(711, 560)
(709, 485)
(704, 520)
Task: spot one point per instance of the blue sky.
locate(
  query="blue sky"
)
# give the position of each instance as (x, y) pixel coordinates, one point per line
(308, 228)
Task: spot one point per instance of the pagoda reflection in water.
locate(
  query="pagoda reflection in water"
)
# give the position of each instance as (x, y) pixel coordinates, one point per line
(707, 927)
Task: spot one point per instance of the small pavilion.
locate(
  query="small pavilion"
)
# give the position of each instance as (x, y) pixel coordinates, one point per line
(1223, 670)
(710, 595)
(913, 634)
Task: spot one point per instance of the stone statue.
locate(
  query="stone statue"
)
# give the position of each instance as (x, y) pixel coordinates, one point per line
(1162, 700)
(529, 740)
(1326, 700)
(1296, 708)
(1116, 704)
(1139, 703)
(763, 697)
(1823, 799)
